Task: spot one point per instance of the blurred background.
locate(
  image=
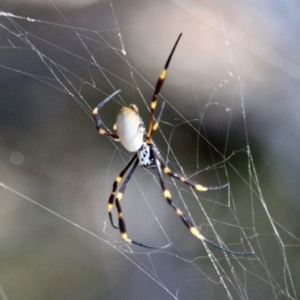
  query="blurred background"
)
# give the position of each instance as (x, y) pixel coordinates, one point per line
(231, 115)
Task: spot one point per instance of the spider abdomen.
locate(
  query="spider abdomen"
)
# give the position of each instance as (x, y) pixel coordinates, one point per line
(130, 128)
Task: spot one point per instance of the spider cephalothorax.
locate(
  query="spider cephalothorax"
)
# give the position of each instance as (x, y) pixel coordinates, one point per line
(145, 156)
(130, 132)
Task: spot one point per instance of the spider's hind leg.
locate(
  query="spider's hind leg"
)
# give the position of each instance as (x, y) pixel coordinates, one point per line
(97, 118)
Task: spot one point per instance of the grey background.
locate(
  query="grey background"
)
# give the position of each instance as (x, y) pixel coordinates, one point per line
(69, 169)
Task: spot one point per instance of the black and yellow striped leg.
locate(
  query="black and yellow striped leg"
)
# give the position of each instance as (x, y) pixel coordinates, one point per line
(122, 226)
(191, 183)
(185, 220)
(115, 186)
(158, 86)
(156, 122)
(98, 119)
(119, 196)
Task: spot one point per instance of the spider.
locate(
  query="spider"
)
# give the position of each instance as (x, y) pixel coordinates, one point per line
(130, 131)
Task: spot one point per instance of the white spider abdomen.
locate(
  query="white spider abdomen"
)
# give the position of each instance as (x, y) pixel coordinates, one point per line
(130, 128)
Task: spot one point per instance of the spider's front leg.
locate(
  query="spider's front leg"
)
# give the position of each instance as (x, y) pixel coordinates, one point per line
(160, 165)
(112, 197)
(98, 119)
(116, 198)
(193, 184)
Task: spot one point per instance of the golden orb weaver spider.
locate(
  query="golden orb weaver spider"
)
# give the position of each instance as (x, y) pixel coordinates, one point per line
(130, 132)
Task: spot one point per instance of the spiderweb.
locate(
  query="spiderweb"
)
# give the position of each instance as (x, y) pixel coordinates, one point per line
(57, 63)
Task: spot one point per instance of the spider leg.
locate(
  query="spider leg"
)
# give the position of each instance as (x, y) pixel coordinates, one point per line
(122, 226)
(191, 227)
(156, 122)
(191, 183)
(158, 86)
(98, 119)
(115, 185)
